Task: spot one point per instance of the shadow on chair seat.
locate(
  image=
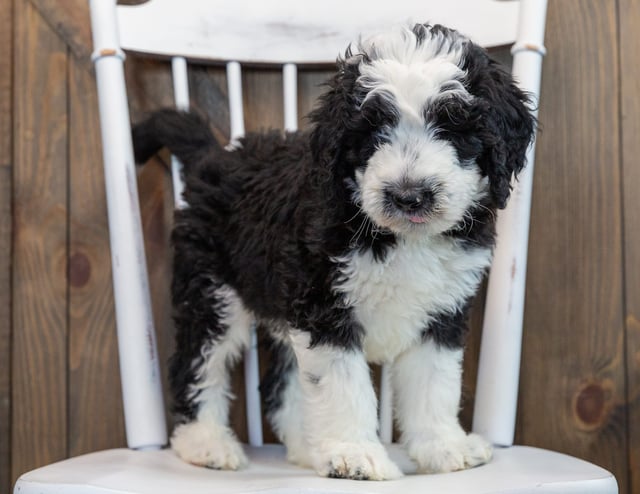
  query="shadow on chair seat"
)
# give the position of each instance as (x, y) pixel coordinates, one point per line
(518, 469)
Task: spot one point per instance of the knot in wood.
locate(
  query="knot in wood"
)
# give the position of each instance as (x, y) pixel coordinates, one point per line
(592, 404)
(79, 269)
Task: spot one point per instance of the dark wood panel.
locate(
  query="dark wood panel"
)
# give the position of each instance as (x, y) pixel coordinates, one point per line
(149, 85)
(311, 84)
(263, 100)
(156, 204)
(5, 327)
(94, 384)
(70, 20)
(573, 375)
(39, 421)
(630, 117)
(6, 58)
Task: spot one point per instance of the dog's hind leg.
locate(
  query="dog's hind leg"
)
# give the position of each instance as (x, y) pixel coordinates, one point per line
(212, 329)
(283, 399)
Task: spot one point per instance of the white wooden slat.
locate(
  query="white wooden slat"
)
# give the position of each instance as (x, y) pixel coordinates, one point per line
(496, 401)
(290, 93)
(138, 356)
(282, 31)
(236, 108)
(252, 390)
(180, 82)
(385, 416)
(181, 96)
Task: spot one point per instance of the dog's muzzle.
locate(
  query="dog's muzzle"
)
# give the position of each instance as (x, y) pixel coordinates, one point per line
(413, 201)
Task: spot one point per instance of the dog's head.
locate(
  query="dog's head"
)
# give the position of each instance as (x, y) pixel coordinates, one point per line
(420, 126)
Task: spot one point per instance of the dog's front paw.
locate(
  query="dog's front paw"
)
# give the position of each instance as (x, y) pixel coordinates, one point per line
(365, 460)
(448, 454)
(207, 445)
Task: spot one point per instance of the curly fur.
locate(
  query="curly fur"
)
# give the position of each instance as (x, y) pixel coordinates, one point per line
(362, 239)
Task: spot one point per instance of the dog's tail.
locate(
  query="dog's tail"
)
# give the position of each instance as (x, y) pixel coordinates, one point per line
(185, 134)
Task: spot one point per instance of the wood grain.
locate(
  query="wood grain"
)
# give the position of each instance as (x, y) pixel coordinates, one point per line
(39, 363)
(629, 17)
(5, 328)
(94, 383)
(263, 99)
(311, 84)
(70, 21)
(6, 113)
(573, 375)
(156, 204)
(149, 85)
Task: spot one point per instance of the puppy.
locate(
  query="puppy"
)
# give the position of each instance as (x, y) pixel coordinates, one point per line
(361, 240)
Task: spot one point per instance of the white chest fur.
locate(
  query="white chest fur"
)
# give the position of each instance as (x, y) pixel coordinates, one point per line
(395, 299)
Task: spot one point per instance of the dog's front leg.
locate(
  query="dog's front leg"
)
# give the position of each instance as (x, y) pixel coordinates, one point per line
(427, 381)
(340, 412)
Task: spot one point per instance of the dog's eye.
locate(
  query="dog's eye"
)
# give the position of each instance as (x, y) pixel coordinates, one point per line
(449, 113)
(456, 121)
(367, 147)
(377, 112)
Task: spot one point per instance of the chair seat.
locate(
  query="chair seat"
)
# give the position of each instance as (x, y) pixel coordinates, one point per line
(518, 469)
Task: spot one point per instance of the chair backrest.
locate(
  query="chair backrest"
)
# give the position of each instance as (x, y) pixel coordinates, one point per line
(289, 34)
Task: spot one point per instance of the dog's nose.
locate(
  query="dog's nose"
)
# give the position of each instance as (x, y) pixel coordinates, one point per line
(410, 199)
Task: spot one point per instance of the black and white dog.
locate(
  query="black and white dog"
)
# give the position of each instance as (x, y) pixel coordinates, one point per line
(362, 240)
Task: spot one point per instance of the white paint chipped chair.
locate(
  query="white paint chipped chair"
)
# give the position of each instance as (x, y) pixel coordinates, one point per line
(225, 30)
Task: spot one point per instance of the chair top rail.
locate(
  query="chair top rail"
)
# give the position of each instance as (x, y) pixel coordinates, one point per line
(287, 31)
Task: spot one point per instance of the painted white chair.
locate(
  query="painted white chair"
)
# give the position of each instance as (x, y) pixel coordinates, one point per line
(269, 32)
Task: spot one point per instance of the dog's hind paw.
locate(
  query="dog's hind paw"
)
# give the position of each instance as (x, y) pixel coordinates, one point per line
(357, 461)
(207, 445)
(450, 454)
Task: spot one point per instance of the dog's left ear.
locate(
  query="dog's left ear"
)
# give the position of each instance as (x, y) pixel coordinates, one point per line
(507, 125)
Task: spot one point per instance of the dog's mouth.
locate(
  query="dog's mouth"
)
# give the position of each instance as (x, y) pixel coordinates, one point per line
(416, 219)
(402, 221)
(420, 212)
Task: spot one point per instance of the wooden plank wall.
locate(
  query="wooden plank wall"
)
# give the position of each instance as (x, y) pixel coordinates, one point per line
(6, 105)
(58, 360)
(629, 18)
(573, 360)
(39, 293)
